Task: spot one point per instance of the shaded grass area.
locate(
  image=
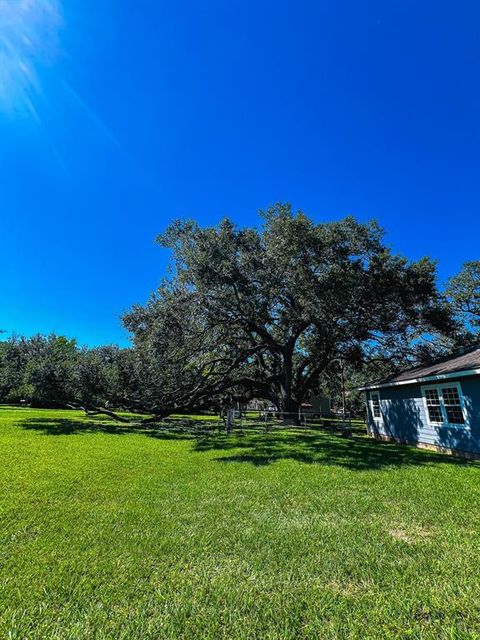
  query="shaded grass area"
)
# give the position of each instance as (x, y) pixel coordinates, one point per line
(180, 531)
(252, 444)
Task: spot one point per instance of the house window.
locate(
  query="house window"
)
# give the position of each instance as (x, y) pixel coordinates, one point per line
(433, 405)
(453, 405)
(375, 398)
(444, 404)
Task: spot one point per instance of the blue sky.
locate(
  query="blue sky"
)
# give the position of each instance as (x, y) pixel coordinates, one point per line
(118, 115)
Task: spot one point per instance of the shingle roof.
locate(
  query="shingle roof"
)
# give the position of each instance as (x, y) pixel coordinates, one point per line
(469, 360)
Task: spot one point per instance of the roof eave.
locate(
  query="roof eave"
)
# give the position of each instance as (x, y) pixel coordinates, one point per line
(421, 379)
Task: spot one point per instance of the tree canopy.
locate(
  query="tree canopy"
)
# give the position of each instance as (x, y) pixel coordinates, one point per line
(264, 312)
(53, 371)
(273, 312)
(463, 291)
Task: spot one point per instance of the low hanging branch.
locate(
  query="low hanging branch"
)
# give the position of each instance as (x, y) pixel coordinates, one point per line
(91, 410)
(158, 414)
(263, 312)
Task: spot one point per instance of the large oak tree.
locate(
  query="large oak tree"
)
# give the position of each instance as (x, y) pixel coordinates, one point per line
(264, 312)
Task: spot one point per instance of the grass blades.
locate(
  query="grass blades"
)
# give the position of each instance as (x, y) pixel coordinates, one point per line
(112, 531)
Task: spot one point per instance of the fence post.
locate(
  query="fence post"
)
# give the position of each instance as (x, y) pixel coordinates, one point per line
(230, 414)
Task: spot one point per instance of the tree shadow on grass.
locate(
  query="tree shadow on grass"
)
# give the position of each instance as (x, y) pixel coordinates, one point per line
(169, 430)
(359, 453)
(254, 446)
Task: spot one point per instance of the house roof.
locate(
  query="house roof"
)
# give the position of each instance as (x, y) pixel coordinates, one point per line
(457, 365)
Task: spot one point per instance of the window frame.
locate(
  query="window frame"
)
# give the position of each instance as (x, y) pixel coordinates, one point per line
(377, 393)
(438, 386)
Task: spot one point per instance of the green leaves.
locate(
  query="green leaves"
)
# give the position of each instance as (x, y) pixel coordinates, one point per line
(52, 370)
(262, 312)
(463, 291)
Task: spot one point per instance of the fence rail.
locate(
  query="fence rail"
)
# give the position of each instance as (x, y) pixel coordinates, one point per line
(274, 420)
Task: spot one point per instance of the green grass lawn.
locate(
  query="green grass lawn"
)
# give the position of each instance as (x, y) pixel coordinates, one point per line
(107, 531)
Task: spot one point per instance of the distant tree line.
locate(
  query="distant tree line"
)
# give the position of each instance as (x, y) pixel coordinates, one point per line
(270, 313)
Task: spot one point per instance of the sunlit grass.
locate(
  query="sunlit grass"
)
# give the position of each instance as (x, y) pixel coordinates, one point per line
(117, 531)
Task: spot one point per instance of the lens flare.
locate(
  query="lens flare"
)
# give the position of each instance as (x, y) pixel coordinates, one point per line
(31, 86)
(29, 32)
